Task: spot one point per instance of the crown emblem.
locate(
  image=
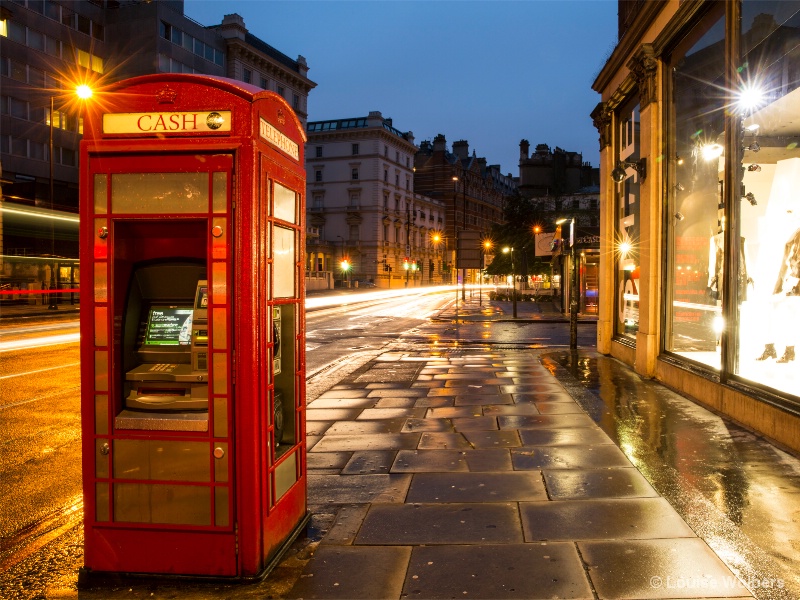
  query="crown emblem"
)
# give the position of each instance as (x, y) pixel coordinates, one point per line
(281, 117)
(166, 95)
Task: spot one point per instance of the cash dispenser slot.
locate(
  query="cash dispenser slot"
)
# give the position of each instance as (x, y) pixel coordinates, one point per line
(165, 383)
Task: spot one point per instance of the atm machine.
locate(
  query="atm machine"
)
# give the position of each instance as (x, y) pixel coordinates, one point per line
(165, 346)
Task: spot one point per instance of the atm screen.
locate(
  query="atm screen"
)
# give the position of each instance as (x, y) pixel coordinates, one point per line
(169, 326)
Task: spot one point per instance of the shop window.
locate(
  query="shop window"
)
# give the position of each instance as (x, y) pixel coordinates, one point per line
(627, 226)
(767, 276)
(696, 214)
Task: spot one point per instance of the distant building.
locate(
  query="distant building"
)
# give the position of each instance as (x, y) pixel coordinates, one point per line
(45, 47)
(562, 186)
(472, 191)
(362, 205)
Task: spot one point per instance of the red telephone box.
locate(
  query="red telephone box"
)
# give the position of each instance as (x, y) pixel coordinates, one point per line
(193, 340)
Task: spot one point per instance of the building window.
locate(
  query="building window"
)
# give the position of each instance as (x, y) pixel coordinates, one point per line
(386, 151)
(354, 233)
(695, 237)
(318, 151)
(247, 75)
(355, 150)
(318, 175)
(354, 174)
(295, 102)
(355, 199)
(281, 91)
(627, 235)
(386, 176)
(264, 83)
(397, 180)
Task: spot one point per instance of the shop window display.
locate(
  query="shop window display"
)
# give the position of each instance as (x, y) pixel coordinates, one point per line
(769, 326)
(627, 223)
(764, 319)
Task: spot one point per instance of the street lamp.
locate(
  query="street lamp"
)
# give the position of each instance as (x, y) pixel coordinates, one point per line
(436, 238)
(84, 92)
(487, 245)
(573, 298)
(506, 250)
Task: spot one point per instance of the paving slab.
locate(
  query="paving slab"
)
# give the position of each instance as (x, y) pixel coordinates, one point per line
(341, 489)
(440, 425)
(511, 409)
(557, 408)
(568, 457)
(350, 573)
(448, 412)
(559, 396)
(436, 401)
(496, 572)
(443, 441)
(493, 439)
(391, 413)
(327, 460)
(483, 399)
(376, 441)
(455, 523)
(404, 402)
(476, 487)
(343, 393)
(398, 392)
(564, 437)
(374, 461)
(475, 424)
(636, 518)
(552, 421)
(532, 388)
(342, 403)
(668, 568)
(360, 427)
(438, 461)
(318, 413)
(597, 483)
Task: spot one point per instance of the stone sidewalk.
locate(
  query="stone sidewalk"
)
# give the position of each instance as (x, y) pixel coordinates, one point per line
(474, 474)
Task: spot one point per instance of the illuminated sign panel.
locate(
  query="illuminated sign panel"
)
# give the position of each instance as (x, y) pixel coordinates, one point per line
(279, 140)
(168, 122)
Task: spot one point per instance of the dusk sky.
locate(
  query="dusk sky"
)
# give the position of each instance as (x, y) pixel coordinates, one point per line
(491, 72)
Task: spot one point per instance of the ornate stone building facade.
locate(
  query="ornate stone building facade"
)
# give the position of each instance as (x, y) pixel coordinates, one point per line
(699, 227)
(363, 208)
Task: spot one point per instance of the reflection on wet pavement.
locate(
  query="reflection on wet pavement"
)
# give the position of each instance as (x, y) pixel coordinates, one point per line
(737, 491)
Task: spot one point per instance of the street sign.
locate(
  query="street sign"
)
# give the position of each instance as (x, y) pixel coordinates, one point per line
(468, 246)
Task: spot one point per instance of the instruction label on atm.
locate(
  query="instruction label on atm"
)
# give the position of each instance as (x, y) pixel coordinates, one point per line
(169, 327)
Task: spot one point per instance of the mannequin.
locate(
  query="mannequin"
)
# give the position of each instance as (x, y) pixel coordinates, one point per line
(786, 286)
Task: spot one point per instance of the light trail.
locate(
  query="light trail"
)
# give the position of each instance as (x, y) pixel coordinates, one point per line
(40, 342)
(75, 364)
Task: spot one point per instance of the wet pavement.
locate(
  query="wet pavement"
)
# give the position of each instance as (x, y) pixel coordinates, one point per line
(457, 465)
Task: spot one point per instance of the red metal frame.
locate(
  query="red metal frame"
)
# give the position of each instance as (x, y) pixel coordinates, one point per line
(240, 276)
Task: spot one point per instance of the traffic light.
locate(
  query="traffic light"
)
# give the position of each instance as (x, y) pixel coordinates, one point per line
(406, 263)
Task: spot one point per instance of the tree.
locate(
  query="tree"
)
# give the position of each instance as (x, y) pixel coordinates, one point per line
(520, 215)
